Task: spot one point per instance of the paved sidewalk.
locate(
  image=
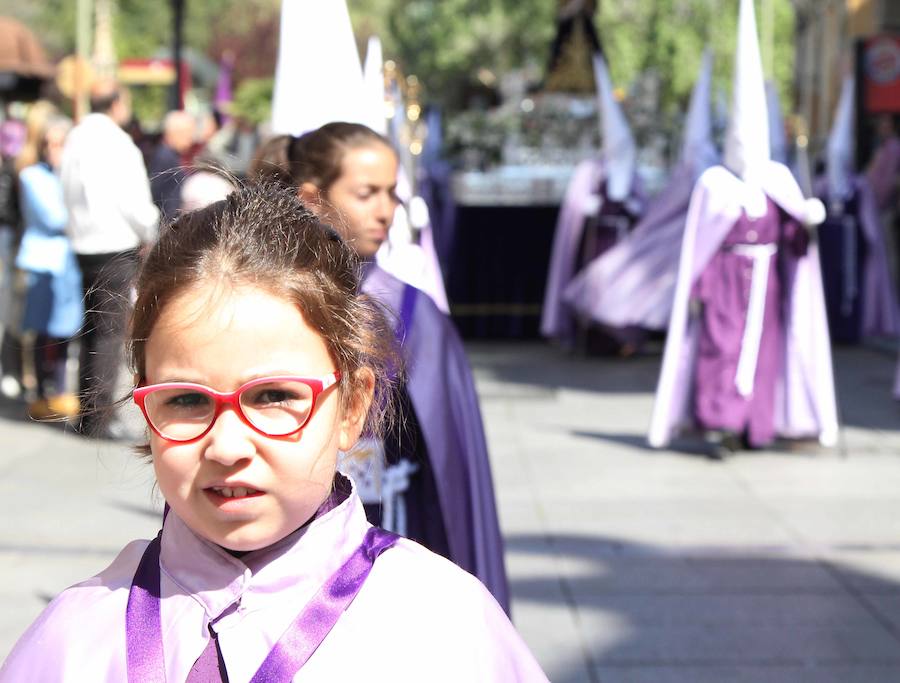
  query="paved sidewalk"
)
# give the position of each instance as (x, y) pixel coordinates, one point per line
(626, 564)
(634, 565)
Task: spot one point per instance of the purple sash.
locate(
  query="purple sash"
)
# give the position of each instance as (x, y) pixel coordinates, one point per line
(143, 624)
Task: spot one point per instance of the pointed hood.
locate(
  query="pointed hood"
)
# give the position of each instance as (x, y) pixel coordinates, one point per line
(373, 82)
(698, 150)
(619, 150)
(839, 169)
(777, 138)
(307, 95)
(747, 137)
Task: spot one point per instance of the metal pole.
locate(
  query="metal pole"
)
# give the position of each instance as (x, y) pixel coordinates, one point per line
(178, 31)
(85, 10)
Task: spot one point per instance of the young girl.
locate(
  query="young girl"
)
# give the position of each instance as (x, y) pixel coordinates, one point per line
(439, 476)
(256, 360)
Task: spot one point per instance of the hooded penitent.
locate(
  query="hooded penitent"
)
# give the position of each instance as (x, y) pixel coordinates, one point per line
(752, 354)
(858, 288)
(602, 190)
(451, 494)
(746, 148)
(373, 82)
(619, 150)
(318, 78)
(633, 283)
(409, 251)
(442, 472)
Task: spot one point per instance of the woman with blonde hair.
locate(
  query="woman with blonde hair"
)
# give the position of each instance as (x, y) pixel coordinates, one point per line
(53, 307)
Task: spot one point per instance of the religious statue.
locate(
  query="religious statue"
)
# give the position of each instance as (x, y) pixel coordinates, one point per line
(570, 69)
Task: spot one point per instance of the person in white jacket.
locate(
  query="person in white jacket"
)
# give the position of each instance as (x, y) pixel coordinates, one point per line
(111, 215)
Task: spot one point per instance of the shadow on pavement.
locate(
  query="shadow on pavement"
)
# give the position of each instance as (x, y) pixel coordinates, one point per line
(709, 614)
(863, 376)
(692, 446)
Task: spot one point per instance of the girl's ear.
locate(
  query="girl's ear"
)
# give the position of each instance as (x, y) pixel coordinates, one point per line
(309, 194)
(354, 418)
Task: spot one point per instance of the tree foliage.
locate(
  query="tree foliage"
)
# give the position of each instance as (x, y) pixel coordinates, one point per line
(449, 43)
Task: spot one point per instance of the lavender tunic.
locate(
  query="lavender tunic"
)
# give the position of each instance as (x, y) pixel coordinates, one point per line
(445, 404)
(633, 283)
(724, 290)
(417, 617)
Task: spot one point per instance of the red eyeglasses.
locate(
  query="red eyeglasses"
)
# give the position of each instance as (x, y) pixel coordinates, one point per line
(272, 406)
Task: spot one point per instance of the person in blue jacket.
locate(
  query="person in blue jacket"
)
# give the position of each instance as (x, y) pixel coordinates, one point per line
(53, 307)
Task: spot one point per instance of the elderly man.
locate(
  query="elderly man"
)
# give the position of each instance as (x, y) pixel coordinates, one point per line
(111, 215)
(167, 169)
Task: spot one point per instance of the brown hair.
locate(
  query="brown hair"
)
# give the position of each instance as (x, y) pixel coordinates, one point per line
(263, 236)
(315, 157)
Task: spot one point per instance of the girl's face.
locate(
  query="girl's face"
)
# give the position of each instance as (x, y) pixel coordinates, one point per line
(222, 337)
(364, 196)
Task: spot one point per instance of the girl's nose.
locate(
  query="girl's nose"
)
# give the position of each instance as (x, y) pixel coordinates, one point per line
(386, 208)
(230, 440)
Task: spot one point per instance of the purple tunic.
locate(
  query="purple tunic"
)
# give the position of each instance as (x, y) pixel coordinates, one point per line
(804, 404)
(445, 405)
(724, 290)
(603, 230)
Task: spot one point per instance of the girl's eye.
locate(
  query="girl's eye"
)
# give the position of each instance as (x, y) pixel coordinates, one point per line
(272, 395)
(188, 400)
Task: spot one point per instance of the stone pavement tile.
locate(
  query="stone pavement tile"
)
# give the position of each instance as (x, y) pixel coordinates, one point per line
(663, 523)
(799, 477)
(730, 611)
(84, 499)
(838, 521)
(766, 673)
(887, 606)
(867, 570)
(736, 643)
(520, 516)
(39, 577)
(607, 478)
(591, 573)
(553, 635)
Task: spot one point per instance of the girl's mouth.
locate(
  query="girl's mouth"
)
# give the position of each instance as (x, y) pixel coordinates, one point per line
(233, 492)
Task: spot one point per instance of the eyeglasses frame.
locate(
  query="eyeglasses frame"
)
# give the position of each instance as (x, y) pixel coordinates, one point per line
(232, 398)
